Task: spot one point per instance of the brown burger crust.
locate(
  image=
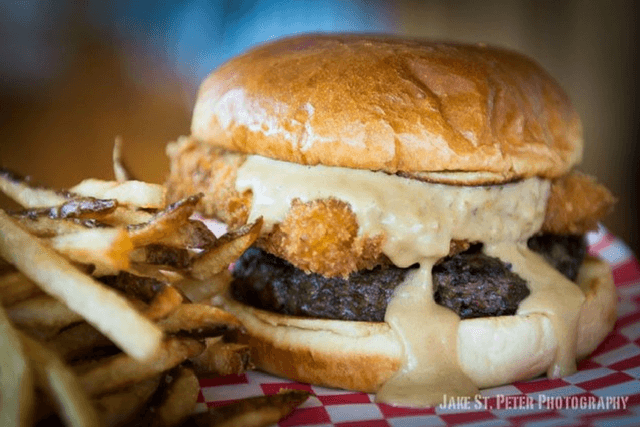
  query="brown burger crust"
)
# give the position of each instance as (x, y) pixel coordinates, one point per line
(396, 105)
(363, 355)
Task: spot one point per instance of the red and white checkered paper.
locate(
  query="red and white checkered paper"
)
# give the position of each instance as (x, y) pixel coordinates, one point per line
(604, 392)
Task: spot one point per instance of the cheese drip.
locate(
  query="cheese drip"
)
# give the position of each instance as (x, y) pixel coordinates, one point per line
(552, 294)
(419, 220)
(430, 367)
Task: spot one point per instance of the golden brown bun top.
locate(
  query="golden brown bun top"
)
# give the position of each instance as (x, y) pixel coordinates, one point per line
(391, 104)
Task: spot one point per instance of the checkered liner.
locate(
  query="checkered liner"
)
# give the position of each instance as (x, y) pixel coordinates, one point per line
(605, 391)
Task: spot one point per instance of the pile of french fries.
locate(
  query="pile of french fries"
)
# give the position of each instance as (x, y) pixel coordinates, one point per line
(105, 317)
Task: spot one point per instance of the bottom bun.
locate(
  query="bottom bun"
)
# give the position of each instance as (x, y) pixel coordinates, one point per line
(363, 355)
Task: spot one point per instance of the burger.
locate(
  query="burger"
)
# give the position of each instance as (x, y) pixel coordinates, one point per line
(423, 221)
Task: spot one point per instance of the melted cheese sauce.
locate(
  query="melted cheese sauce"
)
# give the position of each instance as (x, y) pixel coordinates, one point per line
(428, 333)
(419, 220)
(552, 294)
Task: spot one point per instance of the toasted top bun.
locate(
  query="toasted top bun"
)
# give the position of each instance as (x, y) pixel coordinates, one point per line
(391, 104)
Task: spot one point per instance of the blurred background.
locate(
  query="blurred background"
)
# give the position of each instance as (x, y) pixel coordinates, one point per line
(76, 74)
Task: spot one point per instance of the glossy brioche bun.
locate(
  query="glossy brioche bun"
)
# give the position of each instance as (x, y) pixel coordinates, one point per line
(363, 355)
(391, 104)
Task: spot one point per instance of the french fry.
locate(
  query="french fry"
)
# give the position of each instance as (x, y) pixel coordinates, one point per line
(16, 378)
(43, 313)
(43, 226)
(199, 321)
(19, 189)
(136, 193)
(204, 290)
(176, 400)
(125, 406)
(81, 207)
(162, 225)
(78, 341)
(5, 267)
(44, 412)
(99, 305)
(61, 384)
(120, 171)
(258, 411)
(193, 235)
(106, 248)
(126, 215)
(161, 273)
(227, 249)
(122, 233)
(201, 291)
(140, 287)
(165, 302)
(221, 358)
(16, 287)
(120, 371)
(162, 255)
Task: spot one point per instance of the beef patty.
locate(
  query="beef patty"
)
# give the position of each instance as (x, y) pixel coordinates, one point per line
(470, 283)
